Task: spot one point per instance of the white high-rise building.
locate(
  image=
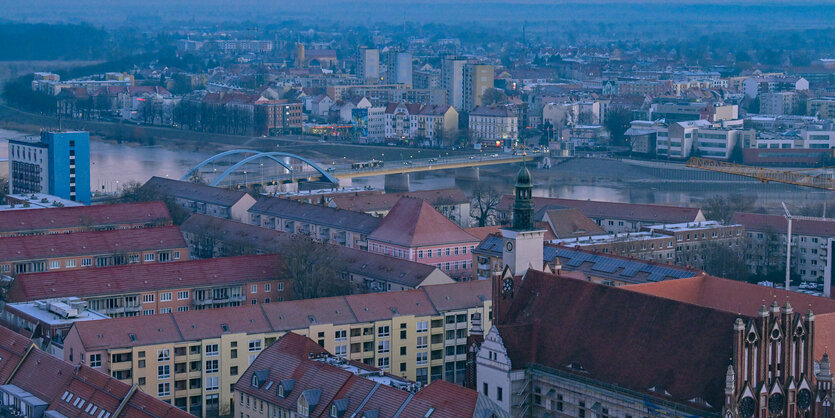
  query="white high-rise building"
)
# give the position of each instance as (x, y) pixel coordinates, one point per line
(368, 65)
(452, 81)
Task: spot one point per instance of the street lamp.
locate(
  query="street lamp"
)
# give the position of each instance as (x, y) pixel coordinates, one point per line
(788, 216)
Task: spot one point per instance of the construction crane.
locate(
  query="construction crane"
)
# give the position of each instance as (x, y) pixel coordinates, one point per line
(765, 175)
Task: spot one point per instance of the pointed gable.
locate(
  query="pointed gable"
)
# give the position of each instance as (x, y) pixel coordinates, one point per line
(414, 222)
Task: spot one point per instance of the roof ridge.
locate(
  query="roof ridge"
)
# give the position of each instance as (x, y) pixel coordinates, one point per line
(267, 317)
(176, 325)
(345, 299)
(367, 398)
(431, 302)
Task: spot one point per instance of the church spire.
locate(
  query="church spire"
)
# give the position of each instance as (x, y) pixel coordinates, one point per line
(523, 203)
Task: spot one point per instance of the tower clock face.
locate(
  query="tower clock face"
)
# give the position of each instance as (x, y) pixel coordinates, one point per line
(509, 246)
(804, 399)
(746, 408)
(775, 403)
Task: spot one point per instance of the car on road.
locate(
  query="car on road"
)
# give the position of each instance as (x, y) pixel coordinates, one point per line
(433, 160)
(331, 169)
(494, 155)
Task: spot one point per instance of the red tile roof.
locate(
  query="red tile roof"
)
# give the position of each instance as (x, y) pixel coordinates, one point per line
(570, 223)
(134, 278)
(90, 217)
(280, 316)
(50, 378)
(746, 299)
(777, 224)
(614, 210)
(415, 223)
(289, 358)
(90, 243)
(652, 340)
(379, 202)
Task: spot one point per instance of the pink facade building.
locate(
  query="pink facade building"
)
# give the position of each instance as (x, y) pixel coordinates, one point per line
(415, 231)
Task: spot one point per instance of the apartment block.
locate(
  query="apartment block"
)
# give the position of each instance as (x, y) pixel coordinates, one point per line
(193, 359)
(336, 226)
(368, 272)
(200, 198)
(57, 163)
(40, 253)
(83, 218)
(165, 287)
(494, 126)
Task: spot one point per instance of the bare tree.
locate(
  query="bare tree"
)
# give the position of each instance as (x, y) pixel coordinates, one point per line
(483, 207)
(722, 208)
(314, 269)
(4, 188)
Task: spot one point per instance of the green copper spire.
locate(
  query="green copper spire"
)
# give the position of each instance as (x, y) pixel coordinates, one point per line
(523, 204)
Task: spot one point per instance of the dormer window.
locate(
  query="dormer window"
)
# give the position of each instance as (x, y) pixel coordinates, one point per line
(255, 382)
(281, 391)
(334, 412)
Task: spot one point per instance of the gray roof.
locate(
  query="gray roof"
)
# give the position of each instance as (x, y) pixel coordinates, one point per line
(600, 265)
(193, 191)
(316, 214)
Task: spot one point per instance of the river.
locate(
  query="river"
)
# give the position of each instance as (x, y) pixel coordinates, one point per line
(113, 165)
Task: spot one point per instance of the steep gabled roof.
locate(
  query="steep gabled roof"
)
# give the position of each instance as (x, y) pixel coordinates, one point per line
(414, 222)
(316, 214)
(375, 202)
(620, 337)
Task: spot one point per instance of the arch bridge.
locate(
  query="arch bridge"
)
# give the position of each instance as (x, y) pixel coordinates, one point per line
(282, 167)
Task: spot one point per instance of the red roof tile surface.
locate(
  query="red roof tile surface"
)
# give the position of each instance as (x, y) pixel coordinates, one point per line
(415, 223)
(145, 277)
(98, 216)
(614, 210)
(279, 316)
(289, 359)
(50, 378)
(618, 336)
(777, 224)
(380, 202)
(90, 243)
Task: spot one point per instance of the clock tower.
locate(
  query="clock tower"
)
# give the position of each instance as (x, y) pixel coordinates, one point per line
(523, 242)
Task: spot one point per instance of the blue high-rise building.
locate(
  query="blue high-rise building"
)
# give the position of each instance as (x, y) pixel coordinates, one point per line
(69, 164)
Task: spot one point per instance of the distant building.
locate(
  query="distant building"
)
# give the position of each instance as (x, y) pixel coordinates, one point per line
(494, 126)
(452, 81)
(58, 164)
(48, 322)
(753, 86)
(398, 67)
(779, 103)
(368, 65)
(477, 79)
(310, 382)
(276, 117)
(822, 107)
(452, 203)
(414, 122)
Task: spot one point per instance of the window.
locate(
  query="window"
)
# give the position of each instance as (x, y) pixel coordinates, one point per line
(86, 262)
(165, 297)
(148, 312)
(176, 255)
(211, 366)
(212, 383)
(499, 394)
(267, 287)
(164, 389)
(164, 310)
(211, 350)
(253, 289)
(280, 286)
(383, 363)
(182, 295)
(163, 371)
(383, 331)
(254, 345)
(55, 264)
(422, 326)
(383, 347)
(164, 354)
(182, 308)
(341, 350)
(149, 257)
(485, 389)
(422, 341)
(422, 358)
(95, 360)
(341, 335)
(69, 263)
(148, 298)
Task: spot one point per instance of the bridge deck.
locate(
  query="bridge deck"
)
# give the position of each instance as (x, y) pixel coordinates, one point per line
(413, 166)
